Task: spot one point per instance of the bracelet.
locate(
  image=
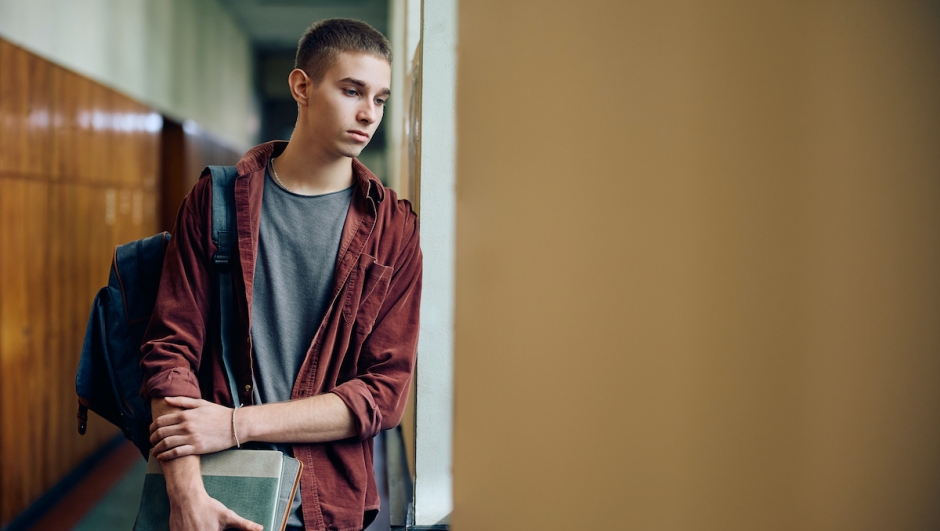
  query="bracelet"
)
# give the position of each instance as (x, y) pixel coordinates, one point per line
(234, 433)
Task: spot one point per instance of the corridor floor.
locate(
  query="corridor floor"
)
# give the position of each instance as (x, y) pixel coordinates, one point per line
(118, 509)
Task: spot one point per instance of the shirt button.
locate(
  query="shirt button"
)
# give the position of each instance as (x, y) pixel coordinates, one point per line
(248, 388)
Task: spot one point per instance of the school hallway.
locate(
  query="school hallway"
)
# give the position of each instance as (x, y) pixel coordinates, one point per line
(95, 154)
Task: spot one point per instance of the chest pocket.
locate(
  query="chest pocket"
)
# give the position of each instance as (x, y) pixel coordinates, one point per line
(366, 290)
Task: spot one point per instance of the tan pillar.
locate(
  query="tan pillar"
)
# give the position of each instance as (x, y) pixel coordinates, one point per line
(698, 266)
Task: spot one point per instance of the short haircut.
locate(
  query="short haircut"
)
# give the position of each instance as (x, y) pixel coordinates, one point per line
(326, 39)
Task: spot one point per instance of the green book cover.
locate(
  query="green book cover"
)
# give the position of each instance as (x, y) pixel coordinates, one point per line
(245, 481)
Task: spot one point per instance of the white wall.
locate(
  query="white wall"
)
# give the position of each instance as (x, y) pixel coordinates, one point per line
(435, 375)
(186, 58)
(394, 121)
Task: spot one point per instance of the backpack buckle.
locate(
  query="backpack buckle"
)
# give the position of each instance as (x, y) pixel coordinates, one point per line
(221, 260)
(223, 255)
(82, 416)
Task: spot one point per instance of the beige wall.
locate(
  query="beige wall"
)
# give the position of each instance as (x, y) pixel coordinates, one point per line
(698, 266)
(188, 59)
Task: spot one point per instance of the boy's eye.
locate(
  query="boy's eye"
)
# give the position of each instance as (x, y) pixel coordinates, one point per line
(351, 92)
(380, 102)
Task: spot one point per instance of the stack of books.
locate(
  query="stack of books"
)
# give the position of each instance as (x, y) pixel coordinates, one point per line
(257, 484)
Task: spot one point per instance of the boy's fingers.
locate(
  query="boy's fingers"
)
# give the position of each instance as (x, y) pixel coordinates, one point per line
(240, 523)
(178, 451)
(182, 401)
(166, 420)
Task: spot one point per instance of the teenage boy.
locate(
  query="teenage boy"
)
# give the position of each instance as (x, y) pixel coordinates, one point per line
(327, 282)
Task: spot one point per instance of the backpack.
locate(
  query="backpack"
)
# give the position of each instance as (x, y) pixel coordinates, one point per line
(109, 378)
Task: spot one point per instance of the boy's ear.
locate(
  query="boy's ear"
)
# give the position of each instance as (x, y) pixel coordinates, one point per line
(299, 83)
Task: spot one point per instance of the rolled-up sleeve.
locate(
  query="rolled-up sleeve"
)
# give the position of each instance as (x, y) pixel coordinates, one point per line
(377, 395)
(174, 339)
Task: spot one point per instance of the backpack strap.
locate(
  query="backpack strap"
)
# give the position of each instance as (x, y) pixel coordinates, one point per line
(223, 236)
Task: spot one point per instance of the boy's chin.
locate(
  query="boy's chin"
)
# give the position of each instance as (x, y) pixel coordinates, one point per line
(352, 153)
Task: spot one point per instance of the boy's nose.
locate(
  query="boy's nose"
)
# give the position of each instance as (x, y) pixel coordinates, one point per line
(367, 114)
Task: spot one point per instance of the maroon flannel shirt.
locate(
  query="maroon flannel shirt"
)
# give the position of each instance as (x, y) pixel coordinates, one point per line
(363, 352)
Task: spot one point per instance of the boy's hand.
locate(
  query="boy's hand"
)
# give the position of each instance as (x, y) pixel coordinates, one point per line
(201, 428)
(200, 512)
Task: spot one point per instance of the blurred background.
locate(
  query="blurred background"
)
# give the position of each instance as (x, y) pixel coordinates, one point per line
(682, 259)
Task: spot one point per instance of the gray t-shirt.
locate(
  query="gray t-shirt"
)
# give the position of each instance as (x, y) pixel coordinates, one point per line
(293, 283)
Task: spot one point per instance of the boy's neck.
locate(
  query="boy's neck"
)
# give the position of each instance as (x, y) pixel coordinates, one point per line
(308, 171)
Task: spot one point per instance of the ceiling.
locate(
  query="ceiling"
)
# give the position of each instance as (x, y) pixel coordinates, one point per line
(278, 24)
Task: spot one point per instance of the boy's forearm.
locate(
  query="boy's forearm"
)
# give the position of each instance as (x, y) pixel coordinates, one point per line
(315, 419)
(182, 474)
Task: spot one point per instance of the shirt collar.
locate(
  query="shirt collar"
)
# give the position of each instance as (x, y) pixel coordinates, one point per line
(257, 159)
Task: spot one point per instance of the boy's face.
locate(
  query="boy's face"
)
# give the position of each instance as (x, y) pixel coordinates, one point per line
(347, 106)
